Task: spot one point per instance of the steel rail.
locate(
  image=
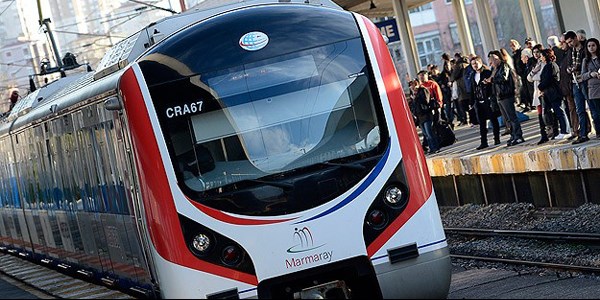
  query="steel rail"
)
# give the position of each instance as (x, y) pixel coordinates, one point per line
(540, 235)
(529, 263)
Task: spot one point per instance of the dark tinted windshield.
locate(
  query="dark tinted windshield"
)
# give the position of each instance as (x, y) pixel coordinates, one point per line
(267, 116)
(274, 116)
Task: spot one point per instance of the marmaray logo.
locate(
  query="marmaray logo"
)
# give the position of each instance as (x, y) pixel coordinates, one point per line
(305, 242)
(305, 239)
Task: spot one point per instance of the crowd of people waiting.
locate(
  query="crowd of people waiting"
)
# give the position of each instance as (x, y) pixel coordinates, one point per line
(560, 80)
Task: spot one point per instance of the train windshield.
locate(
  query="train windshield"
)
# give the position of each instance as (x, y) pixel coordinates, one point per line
(278, 115)
(274, 116)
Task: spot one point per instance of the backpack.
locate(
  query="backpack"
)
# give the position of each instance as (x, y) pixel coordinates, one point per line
(422, 107)
(444, 133)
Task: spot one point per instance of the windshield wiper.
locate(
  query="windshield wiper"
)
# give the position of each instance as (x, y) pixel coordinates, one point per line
(283, 185)
(355, 165)
(351, 165)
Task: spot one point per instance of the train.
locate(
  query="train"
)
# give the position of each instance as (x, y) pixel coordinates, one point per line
(259, 149)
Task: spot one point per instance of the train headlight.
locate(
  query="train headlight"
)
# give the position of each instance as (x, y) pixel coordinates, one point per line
(393, 195)
(377, 219)
(201, 243)
(231, 255)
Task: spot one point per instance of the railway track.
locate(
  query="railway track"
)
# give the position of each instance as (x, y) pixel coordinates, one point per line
(562, 267)
(591, 240)
(576, 237)
(51, 282)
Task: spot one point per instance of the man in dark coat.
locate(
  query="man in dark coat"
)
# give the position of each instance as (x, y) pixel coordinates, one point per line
(485, 103)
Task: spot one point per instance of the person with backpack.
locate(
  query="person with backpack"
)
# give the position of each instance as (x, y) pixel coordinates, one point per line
(458, 77)
(435, 93)
(421, 107)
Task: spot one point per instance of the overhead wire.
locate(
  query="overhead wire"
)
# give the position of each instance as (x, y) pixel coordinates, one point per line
(6, 8)
(154, 6)
(90, 34)
(136, 11)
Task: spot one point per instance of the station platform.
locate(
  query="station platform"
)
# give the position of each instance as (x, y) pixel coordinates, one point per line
(555, 173)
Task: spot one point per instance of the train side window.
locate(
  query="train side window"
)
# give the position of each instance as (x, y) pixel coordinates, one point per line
(46, 165)
(3, 174)
(115, 181)
(34, 169)
(56, 165)
(94, 178)
(98, 156)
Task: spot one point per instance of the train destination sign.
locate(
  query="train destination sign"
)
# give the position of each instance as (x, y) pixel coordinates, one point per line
(389, 28)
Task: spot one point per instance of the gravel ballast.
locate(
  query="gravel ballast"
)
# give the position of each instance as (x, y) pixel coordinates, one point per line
(523, 216)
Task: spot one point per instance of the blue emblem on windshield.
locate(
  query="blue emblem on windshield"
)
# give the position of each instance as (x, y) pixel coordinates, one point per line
(253, 41)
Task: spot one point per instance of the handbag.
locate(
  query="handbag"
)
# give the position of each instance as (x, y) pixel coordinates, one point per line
(454, 90)
(494, 104)
(434, 104)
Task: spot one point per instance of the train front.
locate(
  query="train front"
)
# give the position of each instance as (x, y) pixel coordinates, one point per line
(277, 158)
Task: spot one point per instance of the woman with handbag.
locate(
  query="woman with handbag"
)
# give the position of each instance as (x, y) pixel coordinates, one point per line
(589, 73)
(486, 105)
(504, 86)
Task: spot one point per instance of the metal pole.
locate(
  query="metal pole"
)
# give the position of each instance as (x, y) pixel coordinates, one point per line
(54, 47)
(485, 199)
(458, 203)
(548, 189)
(559, 15)
(407, 38)
(583, 185)
(44, 22)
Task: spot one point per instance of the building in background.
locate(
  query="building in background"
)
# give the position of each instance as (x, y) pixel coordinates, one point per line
(85, 28)
(435, 29)
(88, 28)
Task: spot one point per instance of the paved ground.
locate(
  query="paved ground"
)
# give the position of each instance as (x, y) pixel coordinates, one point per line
(503, 284)
(466, 284)
(12, 289)
(52, 282)
(468, 139)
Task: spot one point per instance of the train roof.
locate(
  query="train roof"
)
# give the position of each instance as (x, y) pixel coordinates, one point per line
(129, 49)
(45, 102)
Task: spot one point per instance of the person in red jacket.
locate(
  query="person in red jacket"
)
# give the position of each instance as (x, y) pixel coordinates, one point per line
(435, 93)
(14, 97)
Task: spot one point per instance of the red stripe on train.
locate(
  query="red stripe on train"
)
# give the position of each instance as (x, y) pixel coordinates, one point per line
(417, 174)
(161, 214)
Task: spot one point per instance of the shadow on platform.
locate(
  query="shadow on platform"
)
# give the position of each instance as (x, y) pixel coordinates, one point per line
(555, 173)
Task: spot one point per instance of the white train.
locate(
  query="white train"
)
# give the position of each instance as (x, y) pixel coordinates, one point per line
(252, 150)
